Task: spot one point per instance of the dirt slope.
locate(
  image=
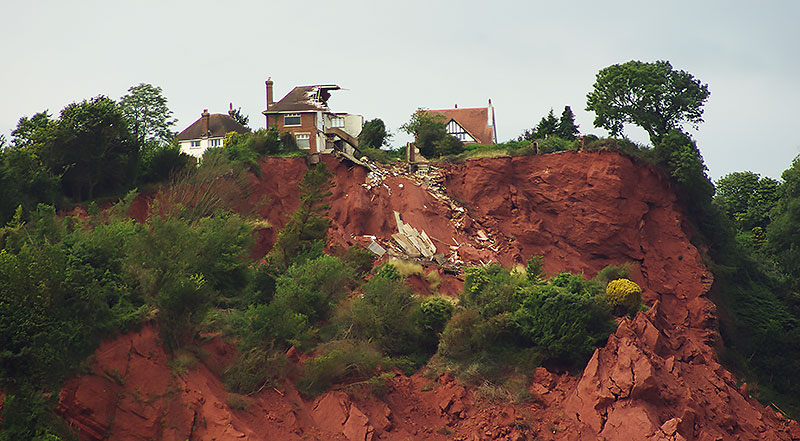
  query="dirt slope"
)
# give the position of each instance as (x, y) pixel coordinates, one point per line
(657, 378)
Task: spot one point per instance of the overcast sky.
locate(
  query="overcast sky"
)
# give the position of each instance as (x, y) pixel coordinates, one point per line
(393, 57)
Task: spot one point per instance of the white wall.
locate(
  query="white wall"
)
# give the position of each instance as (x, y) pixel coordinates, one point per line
(197, 152)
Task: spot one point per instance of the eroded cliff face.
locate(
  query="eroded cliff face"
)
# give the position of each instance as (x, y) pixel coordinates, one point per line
(657, 377)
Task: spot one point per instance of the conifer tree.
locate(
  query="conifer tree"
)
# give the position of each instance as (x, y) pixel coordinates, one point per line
(547, 126)
(308, 225)
(567, 128)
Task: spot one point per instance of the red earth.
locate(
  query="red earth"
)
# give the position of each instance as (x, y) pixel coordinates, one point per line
(657, 378)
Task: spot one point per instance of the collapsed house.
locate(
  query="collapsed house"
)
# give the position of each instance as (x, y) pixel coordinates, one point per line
(304, 113)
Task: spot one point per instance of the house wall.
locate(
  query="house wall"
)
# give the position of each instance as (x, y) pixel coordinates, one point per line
(197, 152)
(308, 123)
(352, 123)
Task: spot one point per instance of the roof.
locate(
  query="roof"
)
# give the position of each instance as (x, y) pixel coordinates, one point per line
(218, 125)
(474, 120)
(304, 98)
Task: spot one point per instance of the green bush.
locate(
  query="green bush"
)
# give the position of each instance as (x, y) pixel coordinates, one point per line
(385, 315)
(314, 287)
(359, 259)
(568, 326)
(436, 311)
(612, 272)
(338, 361)
(255, 368)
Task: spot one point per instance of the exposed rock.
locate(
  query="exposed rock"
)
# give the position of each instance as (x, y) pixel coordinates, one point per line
(657, 378)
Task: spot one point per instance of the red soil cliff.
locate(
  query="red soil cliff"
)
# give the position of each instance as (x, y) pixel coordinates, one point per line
(657, 378)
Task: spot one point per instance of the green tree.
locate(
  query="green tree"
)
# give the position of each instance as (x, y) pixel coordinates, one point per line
(783, 234)
(679, 155)
(747, 199)
(91, 146)
(149, 118)
(308, 225)
(33, 132)
(240, 117)
(373, 134)
(430, 134)
(651, 95)
(548, 126)
(567, 128)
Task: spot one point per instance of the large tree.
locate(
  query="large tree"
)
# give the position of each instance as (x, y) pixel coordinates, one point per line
(653, 96)
(567, 128)
(373, 134)
(91, 146)
(747, 199)
(148, 116)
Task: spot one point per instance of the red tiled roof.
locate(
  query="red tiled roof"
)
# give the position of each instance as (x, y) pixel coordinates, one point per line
(473, 120)
(218, 124)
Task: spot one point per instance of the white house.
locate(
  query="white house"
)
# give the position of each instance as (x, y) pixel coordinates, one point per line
(208, 131)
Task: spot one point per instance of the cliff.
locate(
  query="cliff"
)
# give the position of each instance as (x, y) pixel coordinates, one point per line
(657, 378)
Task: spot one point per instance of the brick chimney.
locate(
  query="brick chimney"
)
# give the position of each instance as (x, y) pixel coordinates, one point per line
(230, 109)
(269, 92)
(205, 115)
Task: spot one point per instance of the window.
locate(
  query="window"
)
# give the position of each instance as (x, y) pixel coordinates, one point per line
(303, 140)
(216, 142)
(291, 119)
(195, 144)
(337, 122)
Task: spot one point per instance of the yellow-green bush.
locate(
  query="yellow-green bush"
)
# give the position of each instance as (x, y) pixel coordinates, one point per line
(624, 293)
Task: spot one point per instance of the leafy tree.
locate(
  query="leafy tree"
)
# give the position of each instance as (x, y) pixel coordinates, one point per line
(25, 181)
(678, 153)
(373, 134)
(239, 117)
(149, 118)
(33, 132)
(567, 129)
(159, 163)
(91, 146)
(430, 134)
(747, 199)
(651, 95)
(783, 234)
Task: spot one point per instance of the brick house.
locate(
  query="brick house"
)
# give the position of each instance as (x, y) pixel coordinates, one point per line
(208, 131)
(471, 126)
(304, 113)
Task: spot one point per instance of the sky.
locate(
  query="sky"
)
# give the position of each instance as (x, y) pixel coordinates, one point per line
(391, 58)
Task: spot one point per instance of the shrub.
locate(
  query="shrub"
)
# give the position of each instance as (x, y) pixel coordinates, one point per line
(182, 306)
(491, 289)
(624, 294)
(312, 288)
(359, 259)
(612, 272)
(566, 325)
(467, 334)
(436, 311)
(337, 362)
(255, 368)
(385, 315)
